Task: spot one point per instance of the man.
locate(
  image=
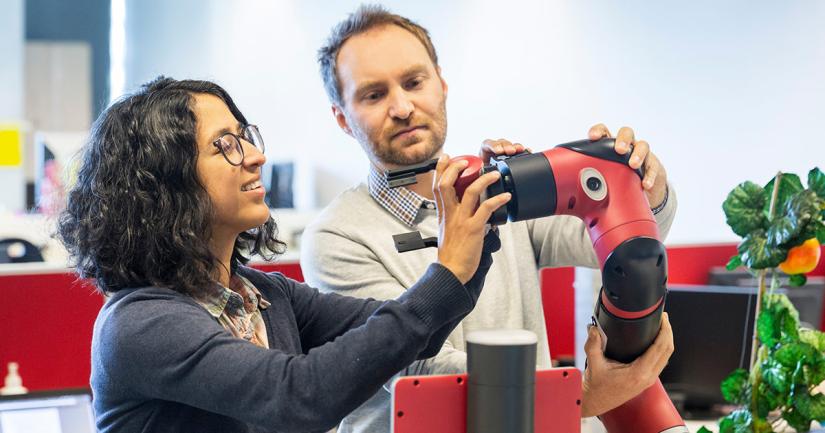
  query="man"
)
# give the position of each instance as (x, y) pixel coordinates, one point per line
(381, 73)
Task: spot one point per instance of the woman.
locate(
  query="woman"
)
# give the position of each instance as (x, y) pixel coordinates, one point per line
(167, 209)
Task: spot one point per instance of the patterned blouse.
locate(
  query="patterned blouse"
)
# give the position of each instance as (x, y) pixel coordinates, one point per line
(238, 309)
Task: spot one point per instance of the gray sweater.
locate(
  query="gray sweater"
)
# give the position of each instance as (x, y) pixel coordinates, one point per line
(162, 363)
(349, 250)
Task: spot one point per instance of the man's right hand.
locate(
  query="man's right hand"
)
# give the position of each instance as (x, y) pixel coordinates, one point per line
(461, 224)
(608, 384)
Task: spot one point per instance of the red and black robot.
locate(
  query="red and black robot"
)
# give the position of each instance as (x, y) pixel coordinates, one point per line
(589, 180)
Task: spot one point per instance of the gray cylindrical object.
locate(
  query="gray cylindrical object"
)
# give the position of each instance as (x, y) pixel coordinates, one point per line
(501, 381)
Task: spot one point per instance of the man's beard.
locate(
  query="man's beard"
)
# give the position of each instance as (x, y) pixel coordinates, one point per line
(390, 155)
(396, 155)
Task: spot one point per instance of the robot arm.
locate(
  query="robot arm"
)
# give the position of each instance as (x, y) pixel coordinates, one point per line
(591, 181)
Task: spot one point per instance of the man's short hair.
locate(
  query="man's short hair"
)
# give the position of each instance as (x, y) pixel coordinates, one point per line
(366, 18)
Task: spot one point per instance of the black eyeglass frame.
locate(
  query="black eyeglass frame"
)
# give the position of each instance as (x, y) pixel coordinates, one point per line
(250, 133)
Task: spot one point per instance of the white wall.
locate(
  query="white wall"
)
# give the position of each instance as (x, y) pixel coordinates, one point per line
(11, 48)
(723, 92)
(12, 191)
(58, 85)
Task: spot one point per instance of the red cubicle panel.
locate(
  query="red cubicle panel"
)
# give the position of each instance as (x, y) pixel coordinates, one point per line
(47, 321)
(691, 264)
(46, 328)
(558, 299)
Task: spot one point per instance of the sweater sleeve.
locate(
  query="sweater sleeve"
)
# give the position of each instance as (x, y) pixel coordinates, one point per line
(336, 262)
(173, 350)
(492, 243)
(323, 316)
(562, 240)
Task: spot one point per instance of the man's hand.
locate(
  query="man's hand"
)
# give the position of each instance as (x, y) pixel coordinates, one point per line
(655, 181)
(461, 224)
(491, 148)
(608, 384)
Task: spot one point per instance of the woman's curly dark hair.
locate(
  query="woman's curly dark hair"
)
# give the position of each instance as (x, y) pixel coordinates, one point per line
(138, 214)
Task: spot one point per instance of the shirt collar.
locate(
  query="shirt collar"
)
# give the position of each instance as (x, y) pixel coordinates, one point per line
(232, 301)
(402, 203)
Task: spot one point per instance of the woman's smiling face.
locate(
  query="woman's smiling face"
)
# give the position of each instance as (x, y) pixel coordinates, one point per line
(236, 191)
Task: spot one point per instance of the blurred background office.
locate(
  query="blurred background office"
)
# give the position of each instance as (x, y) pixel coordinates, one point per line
(723, 91)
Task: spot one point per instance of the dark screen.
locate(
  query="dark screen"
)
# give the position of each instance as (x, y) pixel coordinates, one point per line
(712, 330)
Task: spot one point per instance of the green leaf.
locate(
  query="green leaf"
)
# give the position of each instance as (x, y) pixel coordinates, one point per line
(743, 208)
(739, 421)
(807, 407)
(814, 374)
(798, 280)
(703, 430)
(781, 231)
(726, 425)
(792, 353)
(779, 303)
(820, 236)
(767, 329)
(814, 366)
(768, 399)
(790, 327)
(801, 400)
(799, 222)
(813, 337)
(806, 362)
(775, 376)
(733, 385)
(789, 185)
(734, 262)
(797, 420)
(816, 182)
(804, 215)
(808, 231)
(757, 254)
(785, 316)
(777, 322)
(818, 407)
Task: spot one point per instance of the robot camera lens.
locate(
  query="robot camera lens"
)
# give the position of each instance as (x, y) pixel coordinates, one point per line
(594, 184)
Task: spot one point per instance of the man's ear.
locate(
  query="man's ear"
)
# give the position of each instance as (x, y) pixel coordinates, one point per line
(341, 118)
(441, 78)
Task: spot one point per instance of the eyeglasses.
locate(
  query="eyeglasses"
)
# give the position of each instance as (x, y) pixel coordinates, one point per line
(230, 144)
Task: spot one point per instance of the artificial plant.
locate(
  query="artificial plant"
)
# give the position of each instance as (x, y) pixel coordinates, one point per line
(782, 225)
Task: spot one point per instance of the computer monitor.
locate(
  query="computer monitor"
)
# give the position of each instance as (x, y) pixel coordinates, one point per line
(712, 331)
(279, 182)
(64, 411)
(808, 298)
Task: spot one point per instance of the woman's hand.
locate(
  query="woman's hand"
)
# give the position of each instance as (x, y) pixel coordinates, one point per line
(461, 224)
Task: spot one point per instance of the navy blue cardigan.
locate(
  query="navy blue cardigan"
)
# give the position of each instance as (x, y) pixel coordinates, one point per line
(161, 363)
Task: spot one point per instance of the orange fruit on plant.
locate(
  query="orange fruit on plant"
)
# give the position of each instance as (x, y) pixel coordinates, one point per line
(802, 258)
